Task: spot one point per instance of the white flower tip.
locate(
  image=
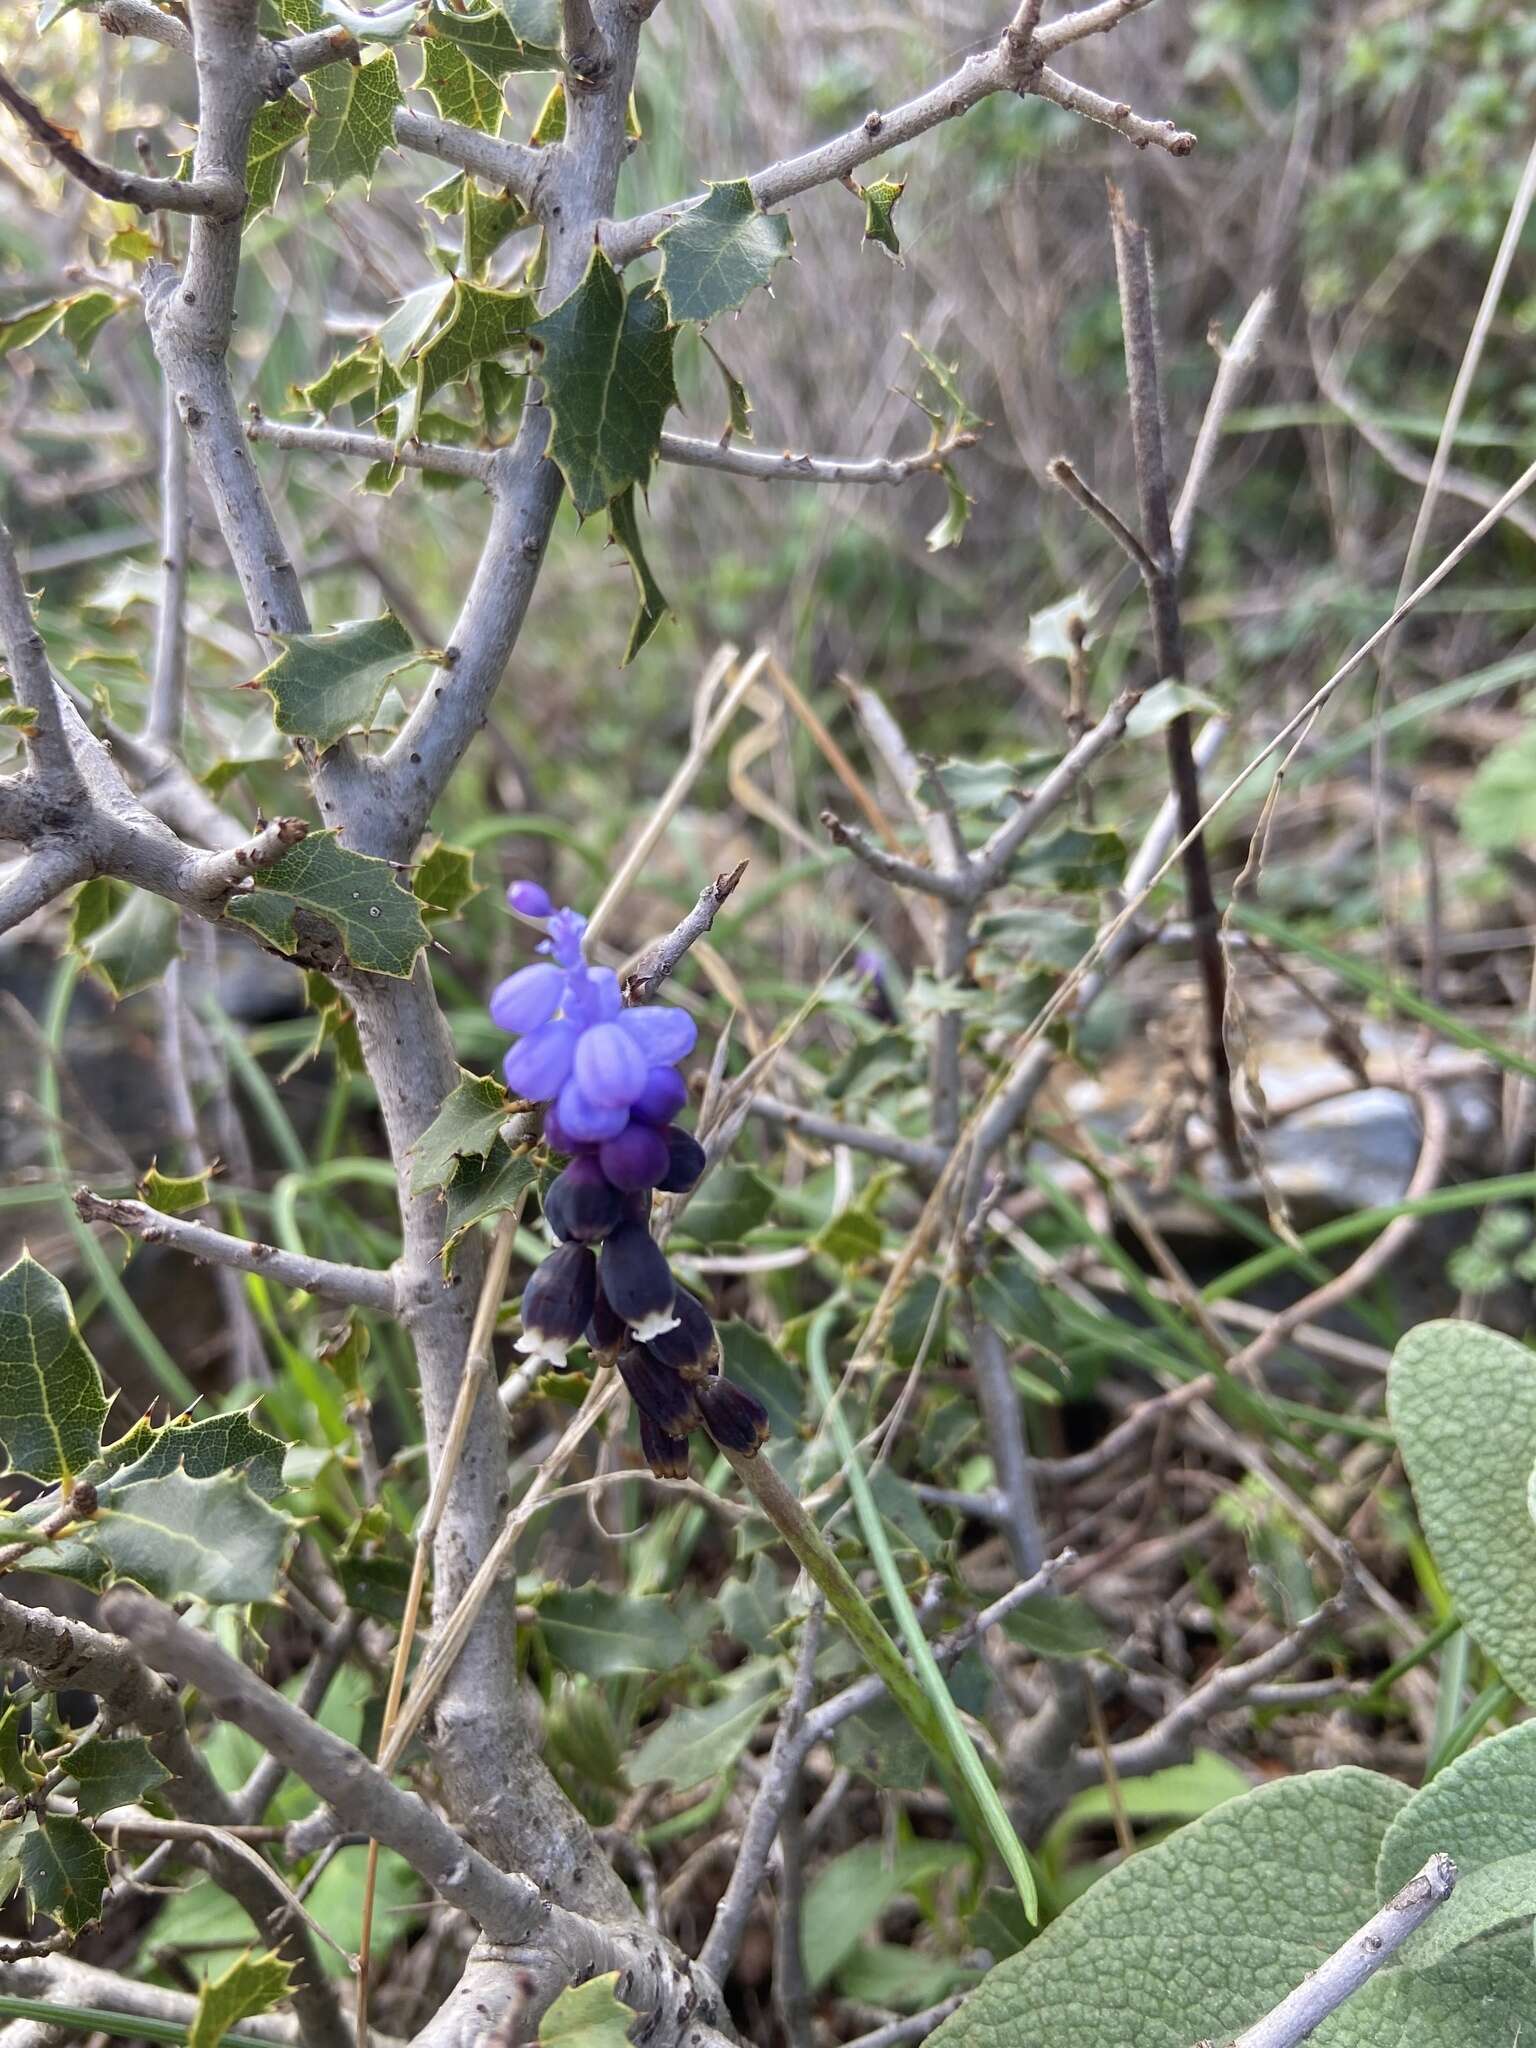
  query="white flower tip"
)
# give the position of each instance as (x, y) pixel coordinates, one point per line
(656, 1325)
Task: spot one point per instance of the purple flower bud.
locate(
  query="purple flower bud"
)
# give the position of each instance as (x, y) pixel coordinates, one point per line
(664, 1035)
(686, 1161)
(638, 1281)
(581, 1205)
(539, 1065)
(666, 1455)
(658, 1392)
(607, 1330)
(637, 1158)
(559, 1139)
(736, 1420)
(567, 929)
(663, 1095)
(610, 1068)
(528, 899)
(588, 1122)
(557, 1303)
(691, 1348)
(527, 999)
(593, 996)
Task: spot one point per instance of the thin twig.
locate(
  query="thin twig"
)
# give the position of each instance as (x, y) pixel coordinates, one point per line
(645, 976)
(219, 198)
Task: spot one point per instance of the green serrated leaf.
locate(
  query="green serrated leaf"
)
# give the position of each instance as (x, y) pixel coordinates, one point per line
(849, 1894)
(880, 200)
(588, 2016)
(379, 923)
(174, 1194)
(938, 394)
(463, 91)
(252, 1984)
(326, 685)
(1202, 1934)
(114, 1770)
(607, 371)
(183, 1538)
(277, 127)
(131, 245)
(134, 948)
(602, 1634)
(651, 606)
(949, 531)
(354, 119)
(478, 1188)
(30, 325)
(52, 1402)
(466, 1127)
(64, 1869)
(739, 406)
(86, 315)
(719, 252)
(14, 1774)
(344, 381)
(695, 1743)
(1073, 859)
(203, 1447)
(490, 40)
(1469, 1481)
(444, 880)
(477, 324)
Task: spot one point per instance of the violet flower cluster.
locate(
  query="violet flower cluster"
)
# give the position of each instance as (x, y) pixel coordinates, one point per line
(609, 1077)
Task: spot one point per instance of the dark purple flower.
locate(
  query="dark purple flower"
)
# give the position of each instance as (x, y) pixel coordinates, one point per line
(736, 1420)
(686, 1161)
(638, 1281)
(559, 1139)
(637, 1158)
(666, 1455)
(607, 1330)
(539, 1064)
(663, 1095)
(582, 1205)
(659, 1392)
(557, 1303)
(691, 1348)
(529, 998)
(663, 1034)
(529, 899)
(610, 1068)
(586, 1121)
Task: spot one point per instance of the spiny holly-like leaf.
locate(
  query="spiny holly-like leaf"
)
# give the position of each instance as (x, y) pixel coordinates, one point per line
(719, 251)
(949, 531)
(113, 1771)
(549, 123)
(477, 323)
(64, 1869)
(465, 1127)
(607, 370)
(253, 1984)
(1200, 1935)
(651, 600)
(879, 207)
(588, 2016)
(536, 22)
(131, 245)
(85, 316)
(695, 1743)
(326, 685)
(174, 1194)
(276, 128)
(350, 377)
(488, 217)
(739, 414)
(206, 1446)
(183, 1538)
(1469, 1480)
(491, 42)
(444, 880)
(52, 1403)
(478, 1188)
(354, 119)
(938, 394)
(463, 91)
(379, 923)
(134, 947)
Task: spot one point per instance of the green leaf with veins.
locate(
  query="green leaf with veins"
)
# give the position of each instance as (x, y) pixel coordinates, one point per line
(52, 1403)
(696, 1743)
(463, 91)
(354, 119)
(174, 1194)
(85, 317)
(326, 685)
(25, 327)
(488, 217)
(880, 201)
(602, 1634)
(64, 1869)
(465, 1127)
(276, 128)
(652, 608)
(251, 1985)
(113, 1770)
(409, 325)
(478, 324)
(940, 396)
(490, 41)
(134, 948)
(739, 405)
(588, 2016)
(348, 378)
(444, 880)
(607, 371)
(949, 531)
(207, 1446)
(478, 1188)
(378, 922)
(1469, 1481)
(178, 1537)
(719, 252)
(1202, 1934)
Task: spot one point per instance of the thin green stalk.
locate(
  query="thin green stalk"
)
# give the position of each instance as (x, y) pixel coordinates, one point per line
(1492, 1701)
(127, 2026)
(168, 1375)
(251, 1075)
(1453, 1683)
(936, 1718)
